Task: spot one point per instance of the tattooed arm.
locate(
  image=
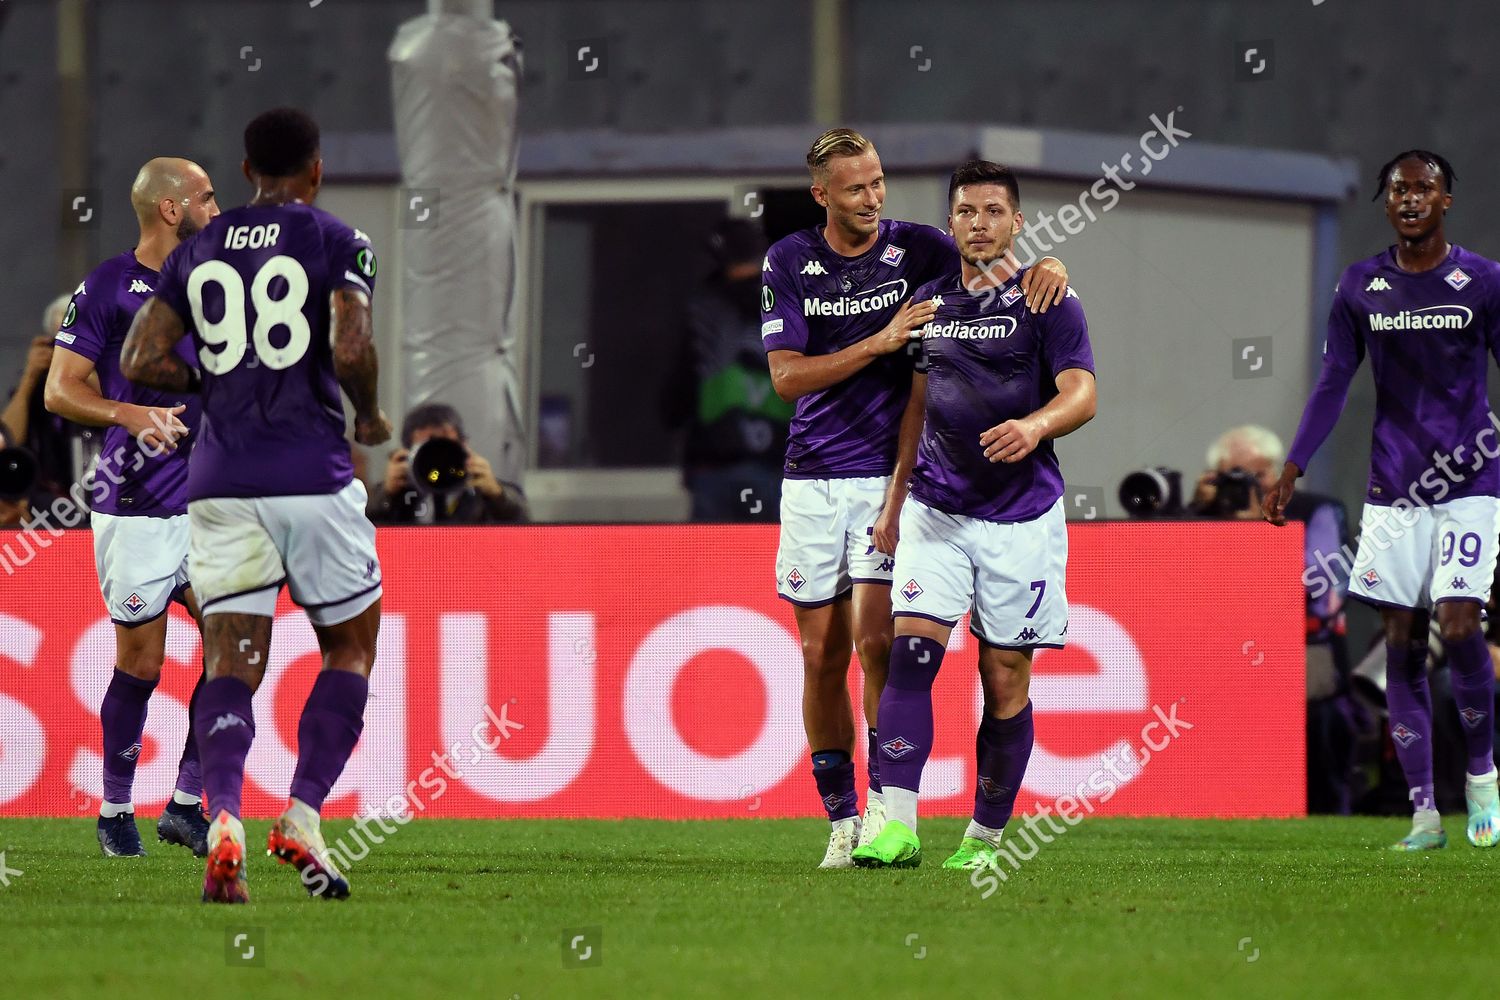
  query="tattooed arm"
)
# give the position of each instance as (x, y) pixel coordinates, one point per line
(148, 355)
(355, 364)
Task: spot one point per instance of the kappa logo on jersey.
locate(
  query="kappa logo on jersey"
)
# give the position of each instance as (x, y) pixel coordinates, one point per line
(134, 604)
(1404, 736)
(886, 565)
(1458, 583)
(1457, 278)
(898, 747)
(223, 722)
(991, 788)
(1472, 717)
(881, 297)
(80, 290)
(892, 255)
(1027, 634)
(1445, 317)
(1011, 295)
(795, 580)
(1371, 578)
(911, 591)
(139, 287)
(765, 265)
(131, 752)
(813, 267)
(1378, 284)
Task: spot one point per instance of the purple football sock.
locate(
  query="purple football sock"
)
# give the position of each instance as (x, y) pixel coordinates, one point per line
(330, 726)
(122, 716)
(189, 773)
(1410, 706)
(906, 711)
(833, 772)
(225, 722)
(1474, 693)
(873, 762)
(1002, 749)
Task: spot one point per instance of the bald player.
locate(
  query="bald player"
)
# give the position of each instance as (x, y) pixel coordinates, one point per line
(139, 497)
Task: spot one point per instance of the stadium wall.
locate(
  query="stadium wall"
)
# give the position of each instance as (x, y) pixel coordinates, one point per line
(651, 672)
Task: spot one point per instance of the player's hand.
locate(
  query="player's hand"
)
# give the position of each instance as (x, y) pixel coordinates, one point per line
(1045, 284)
(1010, 441)
(156, 429)
(38, 358)
(887, 531)
(482, 478)
(372, 430)
(397, 472)
(1273, 507)
(901, 330)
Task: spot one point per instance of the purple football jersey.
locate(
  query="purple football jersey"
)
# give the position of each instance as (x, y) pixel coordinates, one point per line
(128, 481)
(989, 359)
(1426, 335)
(253, 290)
(817, 301)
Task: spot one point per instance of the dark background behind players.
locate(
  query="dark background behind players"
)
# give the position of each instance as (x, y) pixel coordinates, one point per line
(721, 388)
(48, 437)
(1242, 464)
(482, 500)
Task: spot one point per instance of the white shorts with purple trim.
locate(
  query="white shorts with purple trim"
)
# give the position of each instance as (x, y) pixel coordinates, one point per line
(322, 547)
(1012, 575)
(826, 544)
(142, 563)
(1413, 557)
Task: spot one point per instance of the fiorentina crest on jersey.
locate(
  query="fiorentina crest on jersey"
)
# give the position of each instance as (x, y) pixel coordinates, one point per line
(1371, 578)
(892, 255)
(1404, 736)
(911, 591)
(1457, 278)
(1011, 294)
(795, 580)
(134, 604)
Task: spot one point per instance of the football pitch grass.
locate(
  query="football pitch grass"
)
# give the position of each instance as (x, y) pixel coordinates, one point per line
(1117, 908)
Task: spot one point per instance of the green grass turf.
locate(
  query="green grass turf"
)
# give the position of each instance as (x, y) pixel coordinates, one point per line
(1113, 908)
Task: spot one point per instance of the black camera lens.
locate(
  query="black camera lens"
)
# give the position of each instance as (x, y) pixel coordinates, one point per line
(439, 466)
(18, 473)
(1151, 493)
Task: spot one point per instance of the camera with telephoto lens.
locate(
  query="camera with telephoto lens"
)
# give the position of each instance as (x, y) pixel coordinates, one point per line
(1235, 492)
(440, 467)
(19, 473)
(1152, 493)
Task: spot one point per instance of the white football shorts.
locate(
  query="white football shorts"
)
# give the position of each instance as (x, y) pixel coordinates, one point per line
(826, 538)
(1413, 558)
(142, 563)
(1012, 575)
(322, 547)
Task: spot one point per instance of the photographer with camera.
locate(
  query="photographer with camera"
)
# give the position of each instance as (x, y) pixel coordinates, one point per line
(1243, 465)
(433, 478)
(21, 492)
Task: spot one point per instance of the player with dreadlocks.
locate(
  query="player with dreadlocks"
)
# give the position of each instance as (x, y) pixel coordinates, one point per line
(1425, 311)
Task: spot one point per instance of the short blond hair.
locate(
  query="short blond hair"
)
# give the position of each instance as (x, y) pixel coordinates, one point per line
(835, 142)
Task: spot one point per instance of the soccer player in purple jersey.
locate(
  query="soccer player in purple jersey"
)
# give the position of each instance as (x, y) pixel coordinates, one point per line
(983, 529)
(139, 496)
(276, 296)
(837, 323)
(1425, 312)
